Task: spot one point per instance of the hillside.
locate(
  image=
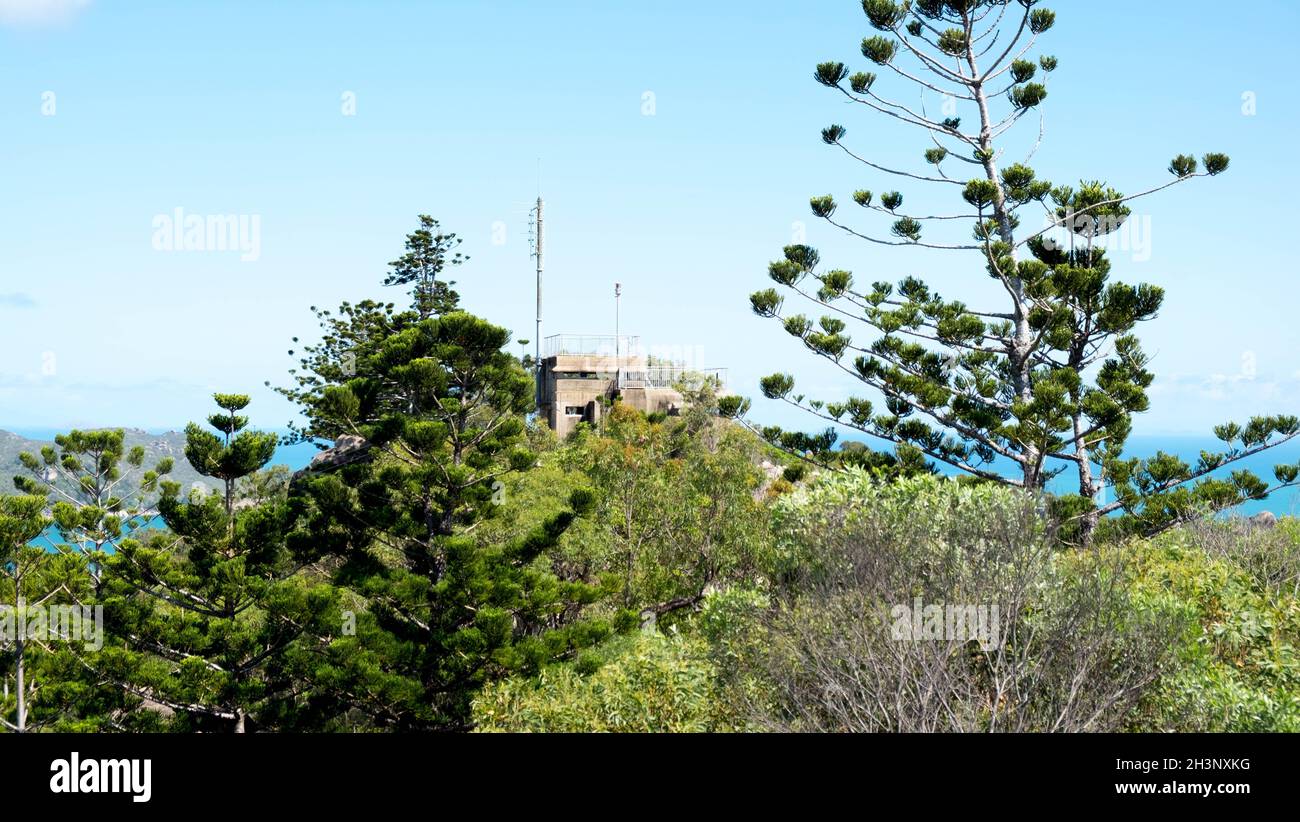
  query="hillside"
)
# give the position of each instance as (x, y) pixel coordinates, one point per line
(156, 446)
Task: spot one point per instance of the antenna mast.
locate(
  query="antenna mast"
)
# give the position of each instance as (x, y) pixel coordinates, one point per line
(537, 253)
(618, 340)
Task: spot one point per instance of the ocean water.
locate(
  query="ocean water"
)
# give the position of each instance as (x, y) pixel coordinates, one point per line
(294, 456)
(1282, 503)
(1188, 448)
(52, 538)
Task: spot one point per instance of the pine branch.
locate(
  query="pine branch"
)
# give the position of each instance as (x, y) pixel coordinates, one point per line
(1020, 31)
(1116, 201)
(954, 462)
(916, 243)
(1198, 473)
(934, 414)
(896, 172)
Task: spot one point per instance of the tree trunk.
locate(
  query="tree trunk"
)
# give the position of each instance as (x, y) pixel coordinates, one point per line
(1020, 356)
(1088, 526)
(22, 688)
(1088, 487)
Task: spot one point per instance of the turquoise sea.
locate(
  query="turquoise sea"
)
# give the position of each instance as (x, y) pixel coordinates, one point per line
(294, 456)
(1284, 503)
(1189, 448)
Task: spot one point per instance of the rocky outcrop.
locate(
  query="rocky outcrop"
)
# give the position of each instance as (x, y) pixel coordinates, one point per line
(346, 450)
(1264, 519)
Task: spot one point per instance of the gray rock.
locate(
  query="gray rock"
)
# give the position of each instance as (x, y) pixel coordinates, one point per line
(1264, 519)
(347, 449)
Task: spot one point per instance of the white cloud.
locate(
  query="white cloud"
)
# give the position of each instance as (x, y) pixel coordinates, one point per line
(1193, 402)
(17, 300)
(39, 12)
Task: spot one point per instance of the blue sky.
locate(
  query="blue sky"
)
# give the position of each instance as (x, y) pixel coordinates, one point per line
(237, 108)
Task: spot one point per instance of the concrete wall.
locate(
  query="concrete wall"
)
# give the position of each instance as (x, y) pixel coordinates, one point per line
(579, 381)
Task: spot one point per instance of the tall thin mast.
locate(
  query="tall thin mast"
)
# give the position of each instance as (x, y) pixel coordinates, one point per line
(537, 252)
(618, 340)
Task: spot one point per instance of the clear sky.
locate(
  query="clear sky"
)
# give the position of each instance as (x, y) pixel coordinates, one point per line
(113, 113)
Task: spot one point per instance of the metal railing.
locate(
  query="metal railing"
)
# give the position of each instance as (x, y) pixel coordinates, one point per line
(667, 376)
(601, 345)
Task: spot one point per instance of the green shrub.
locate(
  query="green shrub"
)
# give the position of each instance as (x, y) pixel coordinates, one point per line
(941, 515)
(1060, 644)
(1238, 664)
(643, 683)
(1271, 555)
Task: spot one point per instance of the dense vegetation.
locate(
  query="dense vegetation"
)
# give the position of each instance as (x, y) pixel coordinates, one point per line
(1195, 630)
(641, 609)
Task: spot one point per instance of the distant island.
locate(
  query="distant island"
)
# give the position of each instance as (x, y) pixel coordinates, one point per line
(156, 446)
